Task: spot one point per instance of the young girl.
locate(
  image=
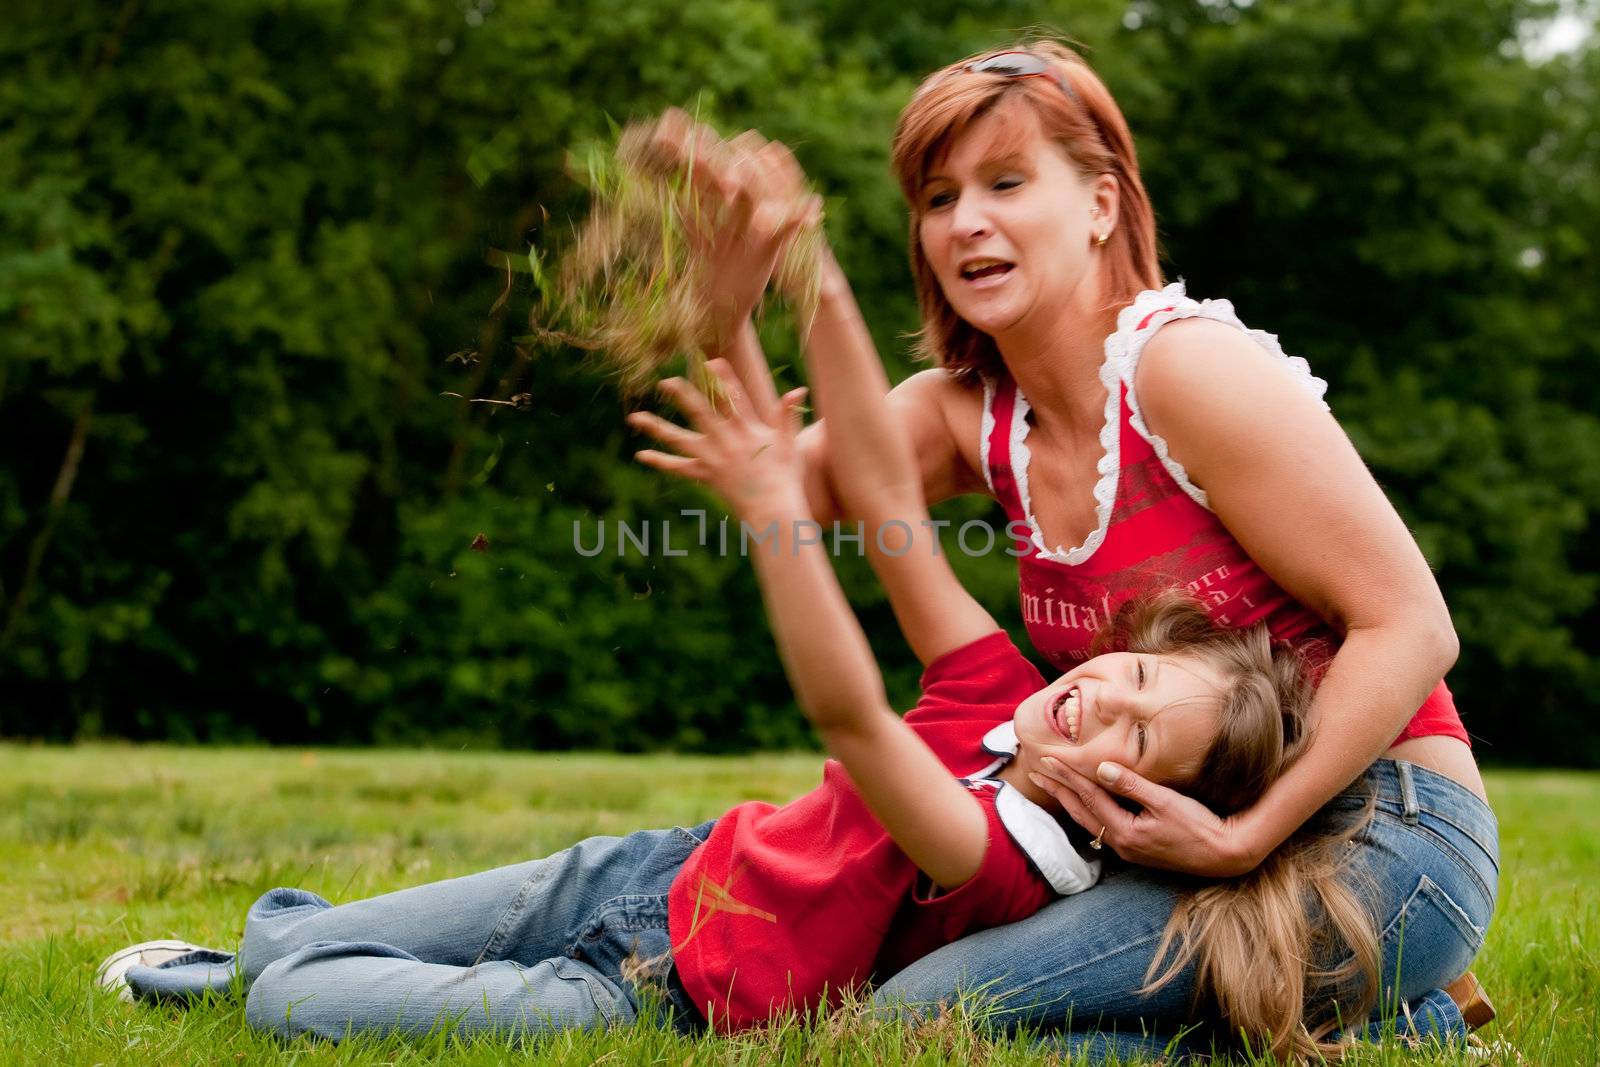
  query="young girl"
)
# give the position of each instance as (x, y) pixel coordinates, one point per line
(926, 828)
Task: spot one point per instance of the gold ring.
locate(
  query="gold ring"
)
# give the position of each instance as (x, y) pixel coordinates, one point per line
(1098, 838)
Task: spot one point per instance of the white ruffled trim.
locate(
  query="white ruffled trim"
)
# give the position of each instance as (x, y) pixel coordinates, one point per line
(1105, 489)
(987, 433)
(1124, 348)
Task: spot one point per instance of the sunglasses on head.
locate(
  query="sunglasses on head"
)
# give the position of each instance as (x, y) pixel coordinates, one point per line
(1021, 65)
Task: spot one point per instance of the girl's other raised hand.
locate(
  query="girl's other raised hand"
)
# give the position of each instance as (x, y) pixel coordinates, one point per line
(753, 464)
(753, 199)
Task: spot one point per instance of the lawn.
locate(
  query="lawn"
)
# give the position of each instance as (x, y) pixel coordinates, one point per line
(106, 844)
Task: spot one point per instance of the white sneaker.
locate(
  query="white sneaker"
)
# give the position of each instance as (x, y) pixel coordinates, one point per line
(1499, 1053)
(111, 974)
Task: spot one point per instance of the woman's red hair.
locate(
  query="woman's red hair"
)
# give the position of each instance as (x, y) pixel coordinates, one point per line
(1087, 124)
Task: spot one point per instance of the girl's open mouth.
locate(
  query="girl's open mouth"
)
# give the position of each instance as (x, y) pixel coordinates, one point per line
(1066, 713)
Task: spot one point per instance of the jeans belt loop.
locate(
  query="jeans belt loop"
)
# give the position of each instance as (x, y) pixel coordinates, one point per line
(1408, 794)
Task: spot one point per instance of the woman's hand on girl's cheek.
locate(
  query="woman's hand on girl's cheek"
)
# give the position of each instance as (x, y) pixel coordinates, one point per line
(1170, 831)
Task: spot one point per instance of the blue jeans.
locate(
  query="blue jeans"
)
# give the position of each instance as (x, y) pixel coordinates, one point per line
(1074, 970)
(563, 942)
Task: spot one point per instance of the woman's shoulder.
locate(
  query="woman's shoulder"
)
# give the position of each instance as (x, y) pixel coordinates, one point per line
(955, 401)
(940, 386)
(943, 413)
(1168, 341)
(1179, 357)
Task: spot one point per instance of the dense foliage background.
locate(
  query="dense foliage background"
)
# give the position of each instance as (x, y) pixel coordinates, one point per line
(245, 246)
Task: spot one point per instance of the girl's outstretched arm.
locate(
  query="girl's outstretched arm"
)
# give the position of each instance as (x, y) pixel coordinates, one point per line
(755, 466)
(877, 478)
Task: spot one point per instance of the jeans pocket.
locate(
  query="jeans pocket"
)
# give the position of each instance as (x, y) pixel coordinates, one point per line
(1429, 942)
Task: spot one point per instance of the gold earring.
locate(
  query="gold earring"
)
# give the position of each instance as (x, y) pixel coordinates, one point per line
(1102, 239)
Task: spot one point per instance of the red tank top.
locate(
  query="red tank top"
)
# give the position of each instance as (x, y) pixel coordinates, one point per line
(1155, 530)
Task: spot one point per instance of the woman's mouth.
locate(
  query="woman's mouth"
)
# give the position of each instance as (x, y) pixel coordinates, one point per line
(985, 273)
(1066, 713)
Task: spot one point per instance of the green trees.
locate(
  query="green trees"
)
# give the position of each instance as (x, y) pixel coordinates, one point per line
(245, 246)
(1388, 183)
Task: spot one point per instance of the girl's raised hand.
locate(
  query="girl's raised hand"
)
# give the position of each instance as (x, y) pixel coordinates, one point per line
(753, 200)
(753, 464)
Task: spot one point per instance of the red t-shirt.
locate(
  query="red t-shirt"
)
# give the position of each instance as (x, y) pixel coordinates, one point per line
(1155, 529)
(788, 907)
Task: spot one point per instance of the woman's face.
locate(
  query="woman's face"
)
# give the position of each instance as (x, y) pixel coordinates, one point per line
(1008, 224)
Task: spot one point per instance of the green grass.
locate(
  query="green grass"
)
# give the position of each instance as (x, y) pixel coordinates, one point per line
(103, 845)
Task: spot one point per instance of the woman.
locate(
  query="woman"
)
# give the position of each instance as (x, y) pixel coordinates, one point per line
(1170, 446)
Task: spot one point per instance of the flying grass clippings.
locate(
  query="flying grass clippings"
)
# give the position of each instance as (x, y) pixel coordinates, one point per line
(630, 289)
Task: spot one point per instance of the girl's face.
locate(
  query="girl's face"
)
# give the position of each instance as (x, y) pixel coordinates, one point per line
(1008, 223)
(1155, 714)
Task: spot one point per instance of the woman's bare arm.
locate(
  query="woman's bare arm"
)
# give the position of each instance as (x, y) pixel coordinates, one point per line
(1298, 498)
(1290, 487)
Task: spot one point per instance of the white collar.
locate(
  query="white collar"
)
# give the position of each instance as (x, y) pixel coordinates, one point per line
(1034, 830)
(1001, 740)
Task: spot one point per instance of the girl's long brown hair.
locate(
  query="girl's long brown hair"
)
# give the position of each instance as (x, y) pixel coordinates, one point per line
(1263, 943)
(1086, 122)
